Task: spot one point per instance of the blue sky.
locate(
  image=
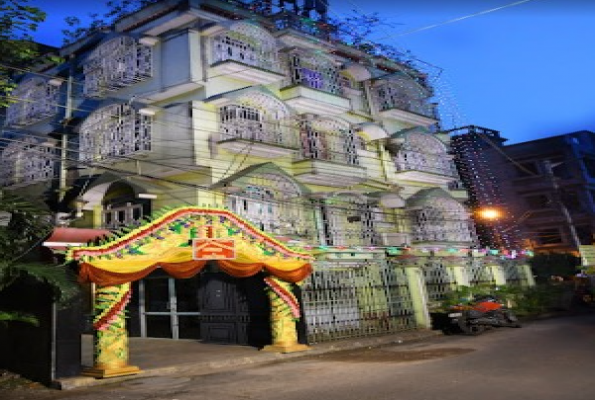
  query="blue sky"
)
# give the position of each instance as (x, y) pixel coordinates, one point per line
(526, 70)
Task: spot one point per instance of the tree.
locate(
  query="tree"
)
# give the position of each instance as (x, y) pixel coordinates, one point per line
(27, 226)
(17, 22)
(114, 10)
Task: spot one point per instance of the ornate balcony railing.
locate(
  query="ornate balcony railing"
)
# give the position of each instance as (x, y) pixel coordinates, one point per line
(35, 100)
(312, 70)
(408, 160)
(391, 95)
(26, 162)
(336, 146)
(241, 122)
(430, 225)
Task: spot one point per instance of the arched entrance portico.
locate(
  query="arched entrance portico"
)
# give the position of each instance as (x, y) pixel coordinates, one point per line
(181, 242)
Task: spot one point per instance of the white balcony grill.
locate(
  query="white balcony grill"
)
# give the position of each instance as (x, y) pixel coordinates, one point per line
(35, 100)
(348, 220)
(272, 203)
(445, 222)
(113, 132)
(312, 70)
(26, 162)
(408, 160)
(117, 63)
(248, 44)
(249, 123)
(402, 93)
(329, 140)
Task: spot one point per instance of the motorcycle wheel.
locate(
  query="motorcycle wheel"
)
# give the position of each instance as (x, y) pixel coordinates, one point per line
(468, 328)
(512, 320)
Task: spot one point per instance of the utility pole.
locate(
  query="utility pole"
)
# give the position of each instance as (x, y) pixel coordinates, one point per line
(573, 235)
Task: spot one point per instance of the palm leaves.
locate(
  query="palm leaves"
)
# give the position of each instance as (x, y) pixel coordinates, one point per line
(29, 224)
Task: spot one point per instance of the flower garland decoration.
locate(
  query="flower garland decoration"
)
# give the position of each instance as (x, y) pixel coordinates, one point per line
(110, 315)
(287, 296)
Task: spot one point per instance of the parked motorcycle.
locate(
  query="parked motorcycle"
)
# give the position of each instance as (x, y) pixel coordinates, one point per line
(486, 312)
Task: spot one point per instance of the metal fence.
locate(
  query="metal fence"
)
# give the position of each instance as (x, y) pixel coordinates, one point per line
(439, 279)
(514, 273)
(347, 299)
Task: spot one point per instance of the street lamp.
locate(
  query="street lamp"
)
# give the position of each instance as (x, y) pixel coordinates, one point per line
(490, 214)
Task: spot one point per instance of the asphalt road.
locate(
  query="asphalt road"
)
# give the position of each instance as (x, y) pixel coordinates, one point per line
(550, 359)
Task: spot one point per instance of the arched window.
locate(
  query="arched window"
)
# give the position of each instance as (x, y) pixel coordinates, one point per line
(331, 140)
(348, 220)
(272, 203)
(421, 151)
(114, 131)
(403, 93)
(442, 219)
(26, 162)
(35, 100)
(257, 117)
(248, 44)
(115, 64)
(313, 70)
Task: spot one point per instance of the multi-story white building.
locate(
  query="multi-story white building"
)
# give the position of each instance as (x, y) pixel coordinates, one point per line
(263, 111)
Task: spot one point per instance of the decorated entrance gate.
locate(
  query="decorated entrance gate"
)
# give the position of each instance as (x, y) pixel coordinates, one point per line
(181, 242)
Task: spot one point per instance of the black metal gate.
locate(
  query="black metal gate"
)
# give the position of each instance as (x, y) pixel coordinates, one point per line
(233, 310)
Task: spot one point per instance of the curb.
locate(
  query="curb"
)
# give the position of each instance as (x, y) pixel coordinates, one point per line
(259, 358)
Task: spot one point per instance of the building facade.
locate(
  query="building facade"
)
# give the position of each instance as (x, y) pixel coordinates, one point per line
(254, 108)
(551, 188)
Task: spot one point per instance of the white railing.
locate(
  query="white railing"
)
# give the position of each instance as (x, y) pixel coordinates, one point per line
(408, 160)
(115, 64)
(313, 71)
(402, 96)
(247, 44)
(337, 146)
(247, 123)
(26, 163)
(114, 131)
(35, 100)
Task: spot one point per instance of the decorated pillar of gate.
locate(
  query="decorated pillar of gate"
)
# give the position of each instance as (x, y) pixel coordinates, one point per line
(110, 346)
(285, 311)
(419, 296)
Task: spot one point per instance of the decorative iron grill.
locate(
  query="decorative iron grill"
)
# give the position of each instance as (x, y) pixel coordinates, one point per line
(117, 63)
(273, 203)
(349, 221)
(36, 100)
(344, 300)
(258, 118)
(312, 70)
(248, 44)
(442, 220)
(478, 273)
(439, 279)
(114, 131)
(329, 140)
(25, 163)
(403, 94)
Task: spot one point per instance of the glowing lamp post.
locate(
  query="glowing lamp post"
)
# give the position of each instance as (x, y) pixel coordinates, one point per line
(489, 214)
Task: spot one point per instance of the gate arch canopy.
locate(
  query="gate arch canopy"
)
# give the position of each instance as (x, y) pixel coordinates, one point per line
(166, 241)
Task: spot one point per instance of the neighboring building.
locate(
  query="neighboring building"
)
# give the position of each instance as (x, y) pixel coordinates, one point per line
(480, 160)
(551, 190)
(252, 106)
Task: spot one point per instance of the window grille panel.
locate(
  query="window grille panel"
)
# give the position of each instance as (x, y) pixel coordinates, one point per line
(348, 221)
(25, 163)
(314, 71)
(117, 63)
(343, 300)
(442, 220)
(114, 131)
(423, 152)
(478, 273)
(439, 280)
(248, 44)
(329, 140)
(404, 94)
(273, 204)
(127, 215)
(354, 91)
(35, 99)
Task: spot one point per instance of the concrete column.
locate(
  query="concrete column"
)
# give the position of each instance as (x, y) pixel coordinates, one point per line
(419, 296)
